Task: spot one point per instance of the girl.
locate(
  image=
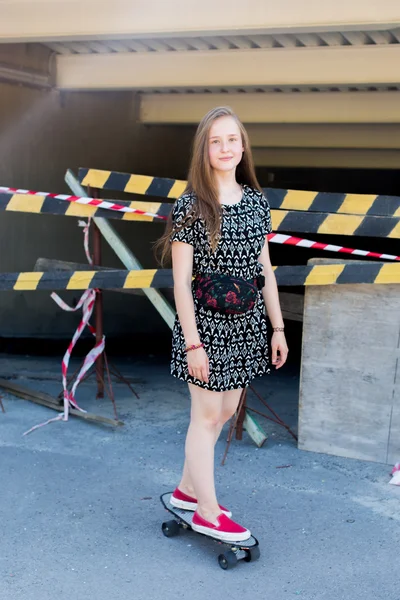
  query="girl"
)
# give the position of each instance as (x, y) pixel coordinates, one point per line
(218, 228)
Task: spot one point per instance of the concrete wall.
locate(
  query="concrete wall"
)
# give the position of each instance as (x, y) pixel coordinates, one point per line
(42, 133)
(349, 387)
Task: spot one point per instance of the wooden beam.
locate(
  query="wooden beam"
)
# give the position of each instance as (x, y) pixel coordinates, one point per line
(41, 20)
(254, 429)
(50, 264)
(341, 65)
(292, 306)
(302, 108)
(53, 403)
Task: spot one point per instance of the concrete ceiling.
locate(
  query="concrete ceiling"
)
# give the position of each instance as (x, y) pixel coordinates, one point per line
(230, 42)
(318, 61)
(72, 20)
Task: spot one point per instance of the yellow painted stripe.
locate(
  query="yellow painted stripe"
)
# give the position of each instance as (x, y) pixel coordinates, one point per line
(138, 184)
(324, 274)
(277, 217)
(299, 200)
(397, 213)
(139, 279)
(395, 233)
(340, 224)
(177, 189)
(357, 204)
(80, 210)
(26, 203)
(27, 281)
(152, 207)
(389, 273)
(80, 280)
(136, 217)
(96, 178)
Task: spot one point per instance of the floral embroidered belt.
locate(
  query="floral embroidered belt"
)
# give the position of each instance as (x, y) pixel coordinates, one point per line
(225, 293)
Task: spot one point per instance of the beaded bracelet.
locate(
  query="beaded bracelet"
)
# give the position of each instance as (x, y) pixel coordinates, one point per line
(278, 329)
(193, 347)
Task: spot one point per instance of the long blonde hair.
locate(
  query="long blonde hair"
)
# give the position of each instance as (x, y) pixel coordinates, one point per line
(202, 183)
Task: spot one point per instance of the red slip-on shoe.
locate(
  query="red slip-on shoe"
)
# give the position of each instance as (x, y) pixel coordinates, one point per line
(225, 529)
(181, 500)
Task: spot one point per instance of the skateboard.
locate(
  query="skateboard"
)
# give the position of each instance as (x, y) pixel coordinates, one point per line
(248, 550)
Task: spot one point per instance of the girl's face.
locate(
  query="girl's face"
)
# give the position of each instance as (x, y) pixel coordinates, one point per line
(225, 146)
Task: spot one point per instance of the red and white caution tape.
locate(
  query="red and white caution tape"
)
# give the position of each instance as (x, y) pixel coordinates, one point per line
(290, 240)
(85, 200)
(276, 238)
(87, 303)
(86, 229)
(395, 475)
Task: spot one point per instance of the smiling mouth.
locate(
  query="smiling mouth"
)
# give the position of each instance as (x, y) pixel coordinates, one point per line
(226, 158)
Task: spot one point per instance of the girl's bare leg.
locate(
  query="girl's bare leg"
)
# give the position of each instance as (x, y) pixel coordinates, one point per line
(210, 411)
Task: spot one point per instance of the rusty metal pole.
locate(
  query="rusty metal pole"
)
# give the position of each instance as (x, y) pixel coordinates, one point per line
(98, 307)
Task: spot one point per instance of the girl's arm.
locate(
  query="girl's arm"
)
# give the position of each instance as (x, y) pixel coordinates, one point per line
(182, 267)
(271, 299)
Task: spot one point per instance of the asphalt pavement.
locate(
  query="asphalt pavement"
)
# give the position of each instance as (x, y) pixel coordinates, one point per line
(80, 515)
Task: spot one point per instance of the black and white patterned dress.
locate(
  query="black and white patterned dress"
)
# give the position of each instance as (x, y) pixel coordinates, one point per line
(236, 344)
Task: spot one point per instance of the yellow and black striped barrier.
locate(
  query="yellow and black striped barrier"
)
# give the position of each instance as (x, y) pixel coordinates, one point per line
(282, 220)
(353, 273)
(133, 184)
(46, 205)
(334, 203)
(321, 202)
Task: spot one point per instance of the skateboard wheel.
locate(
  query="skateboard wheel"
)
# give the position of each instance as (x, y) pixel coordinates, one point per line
(252, 554)
(228, 560)
(170, 528)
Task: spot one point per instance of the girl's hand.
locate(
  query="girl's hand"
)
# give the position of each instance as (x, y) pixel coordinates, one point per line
(279, 349)
(198, 364)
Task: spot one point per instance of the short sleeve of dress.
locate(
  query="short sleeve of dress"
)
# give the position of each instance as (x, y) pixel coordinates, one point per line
(180, 211)
(265, 215)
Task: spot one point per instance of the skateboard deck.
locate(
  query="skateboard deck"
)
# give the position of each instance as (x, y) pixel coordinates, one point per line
(247, 550)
